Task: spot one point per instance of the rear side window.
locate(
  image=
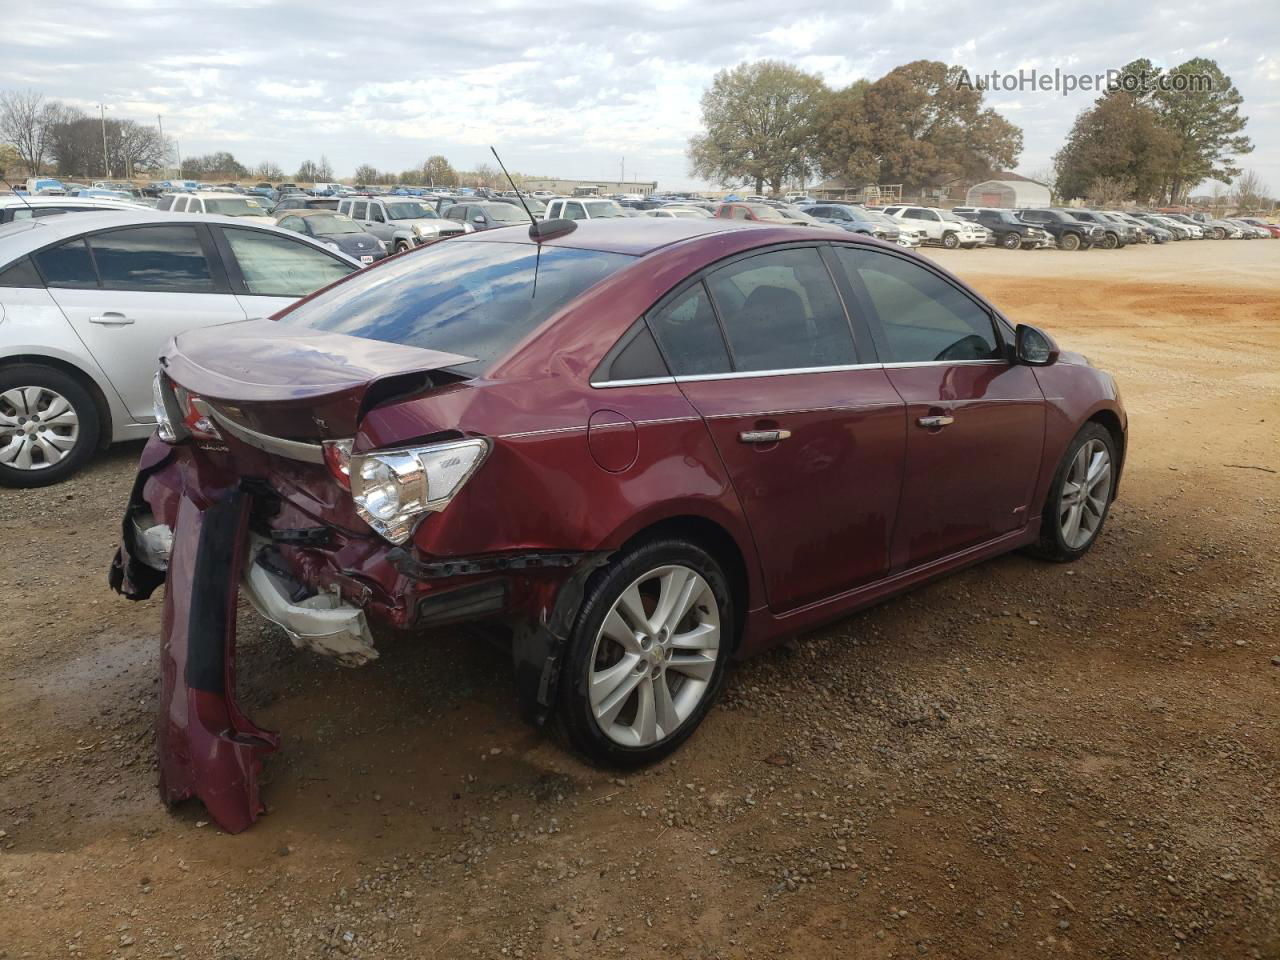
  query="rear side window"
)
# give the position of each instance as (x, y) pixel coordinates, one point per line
(474, 299)
(155, 259)
(635, 358)
(780, 311)
(67, 265)
(923, 318)
(274, 266)
(20, 274)
(165, 203)
(689, 334)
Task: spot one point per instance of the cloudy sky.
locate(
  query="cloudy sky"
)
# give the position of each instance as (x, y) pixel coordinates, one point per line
(572, 89)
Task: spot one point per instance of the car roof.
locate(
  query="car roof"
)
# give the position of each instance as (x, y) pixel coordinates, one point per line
(107, 203)
(631, 235)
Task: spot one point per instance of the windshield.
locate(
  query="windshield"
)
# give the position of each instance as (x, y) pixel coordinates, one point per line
(329, 224)
(475, 299)
(504, 213)
(764, 212)
(234, 207)
(410, 210)
(874, 216)
(798, 215)
(953, 217)
(602, 209)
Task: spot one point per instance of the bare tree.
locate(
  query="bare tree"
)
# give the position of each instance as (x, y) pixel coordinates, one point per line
(267, 170)
(1251, 194)
(25, 120)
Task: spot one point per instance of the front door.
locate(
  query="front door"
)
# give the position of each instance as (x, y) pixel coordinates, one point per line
(812, 440)
(149, 284)
(975, 421)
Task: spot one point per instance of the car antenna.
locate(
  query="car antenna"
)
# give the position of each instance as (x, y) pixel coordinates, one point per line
(539, 230)
(20, 196)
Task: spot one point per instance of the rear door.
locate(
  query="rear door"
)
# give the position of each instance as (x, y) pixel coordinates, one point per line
(268, 272)
(128, 291)
(975, 421)
(811, 437)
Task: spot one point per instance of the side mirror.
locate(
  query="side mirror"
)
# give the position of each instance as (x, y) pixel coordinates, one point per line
(1034, 347)
(480, 219)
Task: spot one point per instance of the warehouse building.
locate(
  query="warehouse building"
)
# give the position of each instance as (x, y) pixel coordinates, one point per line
(1010, 191)
(591, 188)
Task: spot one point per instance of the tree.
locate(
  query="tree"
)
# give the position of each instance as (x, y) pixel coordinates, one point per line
(267, 170)
(323, 170)
(485, 176)
(26, 118)
(1120, 138)
(366, 174)
(438, 172)
(1200, 106)
(218, 165)
(760, 125)
(1251, 194)
(309, 172)
(1108, 191)
(923, 126)
(843, 144)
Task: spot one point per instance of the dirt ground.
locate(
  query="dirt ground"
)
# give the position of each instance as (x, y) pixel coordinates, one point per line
(1022, 760)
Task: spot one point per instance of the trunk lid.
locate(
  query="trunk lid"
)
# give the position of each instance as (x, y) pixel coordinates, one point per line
(296, 383)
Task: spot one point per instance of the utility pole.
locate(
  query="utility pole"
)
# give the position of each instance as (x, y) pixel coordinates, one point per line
(164, 150)
(106, 160)
(622, 172)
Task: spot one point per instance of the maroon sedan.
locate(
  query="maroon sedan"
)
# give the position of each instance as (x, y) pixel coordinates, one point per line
(647, 448)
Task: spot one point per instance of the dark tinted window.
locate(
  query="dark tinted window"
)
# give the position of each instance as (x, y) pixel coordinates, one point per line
(922, 316)
(20, 274)
(780, 311)
(638, 360)
(164, 203)
(152, 258)
(67, 265)
(690, 335)
(474, 299)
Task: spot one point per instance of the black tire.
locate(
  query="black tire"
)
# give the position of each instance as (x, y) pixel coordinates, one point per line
(89, 428)
(1069, 241)
(950, 240)
(1052, 545)
(1110, 242)
(1011, 241)
(401, 246)
(574, 715)
(1219, 233)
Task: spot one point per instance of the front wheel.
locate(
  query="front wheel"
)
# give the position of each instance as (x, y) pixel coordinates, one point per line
(1011, 241)
(647, 655)
(402, 246)
(1070, 241)
(49, 425)
(1079, 497)
(950, 240)
(1110, 242)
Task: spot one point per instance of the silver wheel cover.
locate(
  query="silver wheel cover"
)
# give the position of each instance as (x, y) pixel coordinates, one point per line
(654, 656)
(38, 427)
(1085, 491)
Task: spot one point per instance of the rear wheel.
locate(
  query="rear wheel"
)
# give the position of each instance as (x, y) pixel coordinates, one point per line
(1011, 241)
(49, 425)
(647, 655)
(1070, 241)
(950, 240)
(1079, 497)
(1110, 242)
(402, 246)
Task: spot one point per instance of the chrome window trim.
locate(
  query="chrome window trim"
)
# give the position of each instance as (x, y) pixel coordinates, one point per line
(792, 372)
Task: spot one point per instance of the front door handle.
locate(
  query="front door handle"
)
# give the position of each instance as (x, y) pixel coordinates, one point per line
(763, 436)
(936, 423)
(110, 319)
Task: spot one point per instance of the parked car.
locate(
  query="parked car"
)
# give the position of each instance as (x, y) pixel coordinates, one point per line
(671, 405)
(1147, 232)
(220, 204)
(1068, 232)
(751, 211)
(35, 207)
(1008, 230)
(335, 230)
(301, 201)
(89, 301)
(1198, 231)
(46, 185)
(1272, 229)
(673, 210)
(856, 219)
(1216, 228)
(1178, 231)
(1248, 230)
(402, 223)
(940, 226)
(1114, 234)
(582, 208)
(487, 214)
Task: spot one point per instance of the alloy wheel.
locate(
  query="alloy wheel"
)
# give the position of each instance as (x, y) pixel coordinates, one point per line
(38, 428)
(1085, 492)
(654, 656)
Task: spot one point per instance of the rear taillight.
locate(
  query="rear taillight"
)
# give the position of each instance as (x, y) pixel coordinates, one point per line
(337, 457)
(194, 417)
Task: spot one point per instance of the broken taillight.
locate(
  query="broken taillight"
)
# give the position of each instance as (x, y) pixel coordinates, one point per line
(337, 457)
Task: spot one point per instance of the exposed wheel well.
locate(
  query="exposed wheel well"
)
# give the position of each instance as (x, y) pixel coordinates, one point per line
(1109, 420)
(717, 541)
(71, 370)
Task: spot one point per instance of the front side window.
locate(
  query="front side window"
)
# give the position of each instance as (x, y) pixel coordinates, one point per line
(687, 330)
(234, 207)
(473, 299)
(923, 317)
(574, 211)
(158, 259)
(358, 210)
(275, 266)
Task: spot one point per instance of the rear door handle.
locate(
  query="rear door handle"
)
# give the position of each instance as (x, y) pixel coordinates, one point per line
(763, 436)
(936, 423)
(110, 319)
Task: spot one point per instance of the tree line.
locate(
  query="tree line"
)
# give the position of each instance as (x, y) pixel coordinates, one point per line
(769, 123)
